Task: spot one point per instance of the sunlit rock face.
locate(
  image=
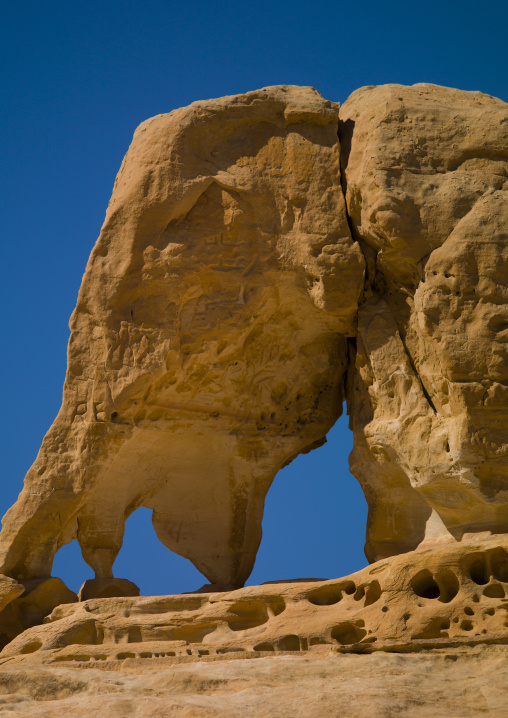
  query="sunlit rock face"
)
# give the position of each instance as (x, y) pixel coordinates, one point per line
(209, 341)
(253, 270)
(426, 178)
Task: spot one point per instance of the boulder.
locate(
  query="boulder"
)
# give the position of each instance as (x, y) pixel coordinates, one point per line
(107, 588)
(425, 170)
(29, 604)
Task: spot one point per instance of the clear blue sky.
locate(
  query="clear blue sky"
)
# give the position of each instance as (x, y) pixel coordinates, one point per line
(77, 78)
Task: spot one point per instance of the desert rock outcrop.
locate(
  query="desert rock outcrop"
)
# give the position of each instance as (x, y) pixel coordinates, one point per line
(426, 179)
(254, 269)
(442, 683)
(208, 345)
(416, 631)
(441, 596)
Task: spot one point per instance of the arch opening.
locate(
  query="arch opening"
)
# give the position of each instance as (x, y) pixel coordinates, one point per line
(144, 560)
(314, 507)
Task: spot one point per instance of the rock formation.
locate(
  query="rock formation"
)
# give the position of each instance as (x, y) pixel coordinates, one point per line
(254, 270)
(437, 597)
(208, 345)
(426, 177)
(424, 628)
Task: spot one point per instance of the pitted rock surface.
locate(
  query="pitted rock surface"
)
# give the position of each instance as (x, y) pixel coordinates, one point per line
(420, 631)
(426, 178)
(442, 596)
(253, 271)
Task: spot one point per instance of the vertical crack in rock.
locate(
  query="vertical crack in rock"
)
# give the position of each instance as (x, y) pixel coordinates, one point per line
(238, 291)
(420, 185)
(345, 134)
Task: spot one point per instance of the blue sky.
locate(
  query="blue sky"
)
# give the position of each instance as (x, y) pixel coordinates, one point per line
(77, 79)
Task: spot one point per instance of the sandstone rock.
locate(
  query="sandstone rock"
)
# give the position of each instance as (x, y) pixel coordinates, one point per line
(221, 310)
(10, 625)
(426, 178)
(208, 345)
(443, 596)
(33, 600)
(421, 630)
(443, 683)
(107, 588)
(9, 590)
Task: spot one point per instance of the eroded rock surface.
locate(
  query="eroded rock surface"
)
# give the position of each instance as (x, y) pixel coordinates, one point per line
(443, 683)
(426, 179)
(419, 631)
(449, 595)
(229, 301)
(208, 344)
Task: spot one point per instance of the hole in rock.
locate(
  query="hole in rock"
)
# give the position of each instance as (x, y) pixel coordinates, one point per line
(347, 633)
(477, 568)
(70, 566)
(231, 649)
(499, 564)
(494, 590)
(317, 487)
(373, 593)
(330, 594)
(448, 585)
(249, 614)
(445, 586)
(313, 509)
(289, 643)
(264, 647)
(423, 585)
(31, 647)
(144, 560)
(134, 635)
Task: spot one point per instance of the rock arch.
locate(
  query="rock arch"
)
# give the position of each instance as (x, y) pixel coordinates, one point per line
(243, 283)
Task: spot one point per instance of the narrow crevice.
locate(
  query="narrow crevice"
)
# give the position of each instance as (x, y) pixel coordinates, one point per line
(344, 150)
(413, 367)
(344, 134)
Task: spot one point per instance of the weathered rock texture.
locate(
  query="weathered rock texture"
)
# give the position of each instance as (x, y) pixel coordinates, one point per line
(208, 344)
(174, 655)
(229, 305)
(443, 596)
(426, 178)
(444, 683)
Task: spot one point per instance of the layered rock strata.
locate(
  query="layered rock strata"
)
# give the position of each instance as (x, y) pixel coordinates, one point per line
(447, 596)
(442, 683)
